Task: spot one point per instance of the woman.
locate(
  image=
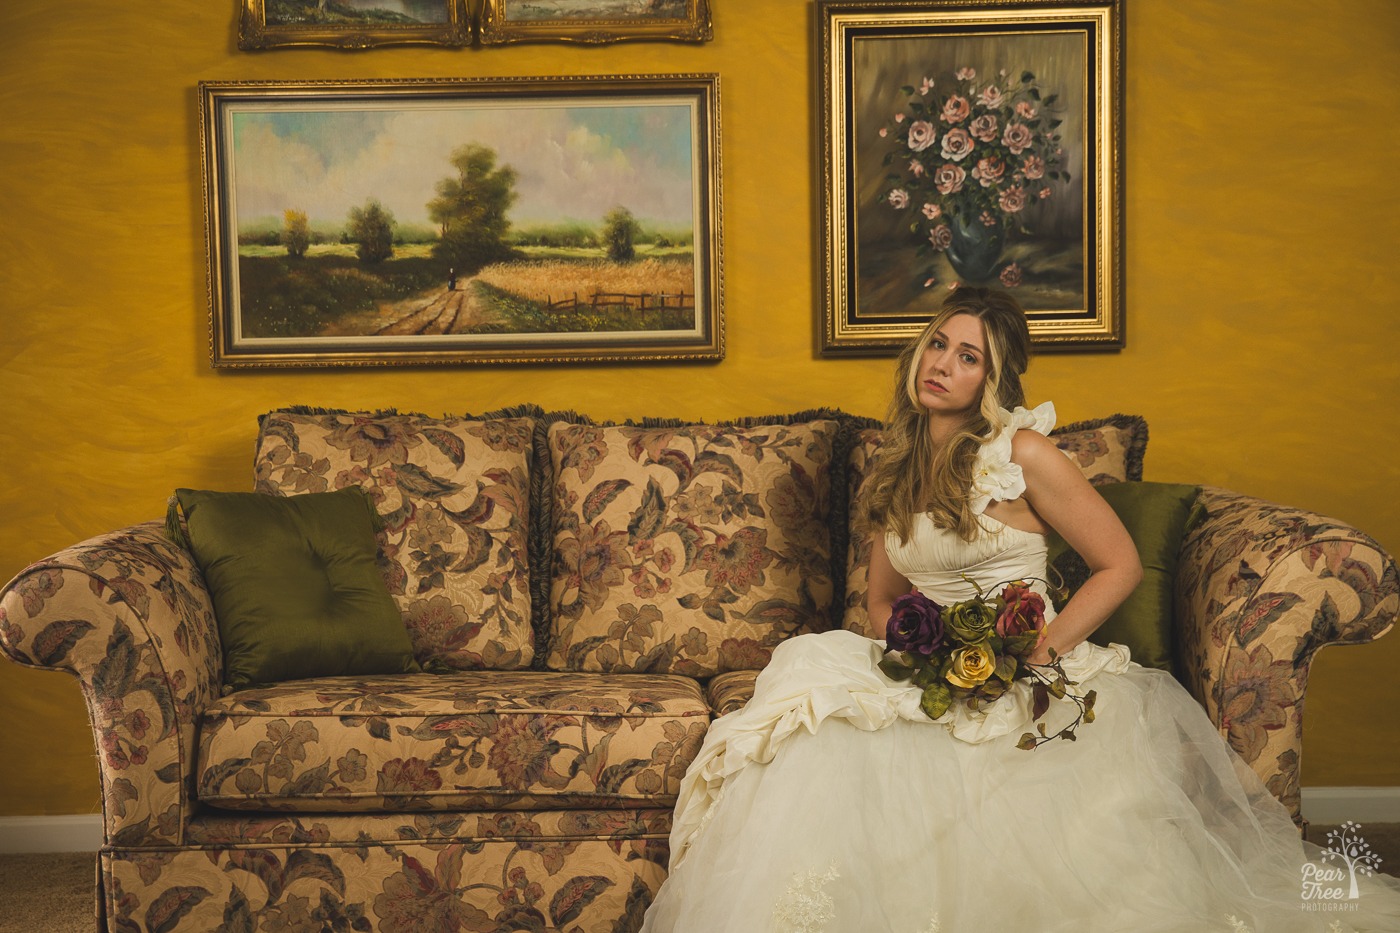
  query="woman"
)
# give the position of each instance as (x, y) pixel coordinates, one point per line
(831, 802)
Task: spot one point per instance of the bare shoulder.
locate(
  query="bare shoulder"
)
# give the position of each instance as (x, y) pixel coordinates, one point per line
(1045, 467)
(1036, 451)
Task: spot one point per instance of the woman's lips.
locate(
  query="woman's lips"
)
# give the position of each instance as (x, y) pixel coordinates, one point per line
(934, 385)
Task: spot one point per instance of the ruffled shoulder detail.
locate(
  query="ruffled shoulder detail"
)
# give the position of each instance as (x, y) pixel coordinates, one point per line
(994, 476)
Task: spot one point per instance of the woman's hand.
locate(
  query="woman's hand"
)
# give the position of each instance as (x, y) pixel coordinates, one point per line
(1041, 655)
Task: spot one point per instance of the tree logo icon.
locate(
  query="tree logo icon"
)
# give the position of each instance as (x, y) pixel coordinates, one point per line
(1348, 856)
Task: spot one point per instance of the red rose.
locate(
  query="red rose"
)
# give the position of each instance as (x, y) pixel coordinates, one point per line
(1024, 611)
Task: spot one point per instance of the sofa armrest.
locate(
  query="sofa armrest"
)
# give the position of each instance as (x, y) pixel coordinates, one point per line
(1261, 588)
(128, 614)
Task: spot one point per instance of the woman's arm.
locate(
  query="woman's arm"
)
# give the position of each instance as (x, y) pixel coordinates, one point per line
(884, 585)
(1063, 498)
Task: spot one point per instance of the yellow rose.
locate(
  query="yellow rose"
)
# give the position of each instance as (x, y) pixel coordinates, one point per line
(971, 665)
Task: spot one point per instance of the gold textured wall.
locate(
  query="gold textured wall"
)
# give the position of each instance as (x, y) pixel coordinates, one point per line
(1262, 295)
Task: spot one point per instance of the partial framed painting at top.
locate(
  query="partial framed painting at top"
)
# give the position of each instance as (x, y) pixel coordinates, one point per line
(594, 21)
(976, 143)
(374, 223)
(353, 24)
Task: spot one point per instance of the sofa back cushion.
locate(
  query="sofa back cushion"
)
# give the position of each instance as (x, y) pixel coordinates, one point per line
(1107, 450)
(454, 497)
(692, 549)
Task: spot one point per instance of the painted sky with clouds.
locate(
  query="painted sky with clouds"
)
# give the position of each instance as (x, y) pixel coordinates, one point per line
(572, 162)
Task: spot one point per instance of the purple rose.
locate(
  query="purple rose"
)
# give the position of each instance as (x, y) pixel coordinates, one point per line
(916, 624)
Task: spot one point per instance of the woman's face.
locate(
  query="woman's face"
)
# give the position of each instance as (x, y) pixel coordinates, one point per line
(953, 368)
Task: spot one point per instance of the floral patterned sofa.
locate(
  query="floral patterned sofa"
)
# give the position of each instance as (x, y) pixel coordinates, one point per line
(584, 599)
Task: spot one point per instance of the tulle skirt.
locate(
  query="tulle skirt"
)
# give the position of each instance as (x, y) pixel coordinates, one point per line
(858, 815)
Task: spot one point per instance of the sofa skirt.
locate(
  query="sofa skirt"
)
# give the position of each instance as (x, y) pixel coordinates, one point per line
(566, 870)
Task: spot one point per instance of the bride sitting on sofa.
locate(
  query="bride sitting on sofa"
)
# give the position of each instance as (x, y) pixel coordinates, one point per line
(835, 801)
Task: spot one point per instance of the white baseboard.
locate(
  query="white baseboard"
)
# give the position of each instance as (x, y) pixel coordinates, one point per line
(1332, 805)
(22, 835)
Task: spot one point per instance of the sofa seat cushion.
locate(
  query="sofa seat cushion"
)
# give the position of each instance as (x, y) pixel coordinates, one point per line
(730, 691)
(471, 740)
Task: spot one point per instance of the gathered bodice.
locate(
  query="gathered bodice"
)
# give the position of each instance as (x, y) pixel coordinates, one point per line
(937, 561)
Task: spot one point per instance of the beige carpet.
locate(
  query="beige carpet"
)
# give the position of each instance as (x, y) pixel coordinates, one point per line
(54, 893)
(48, 893)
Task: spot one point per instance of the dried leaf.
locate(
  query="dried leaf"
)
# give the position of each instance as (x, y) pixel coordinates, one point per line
(1040, 699)
(894, 670)
(936, 700)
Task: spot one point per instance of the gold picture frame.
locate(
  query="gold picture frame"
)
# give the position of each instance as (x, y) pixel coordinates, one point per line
(599, 21)
(268, 24)
(971, 142)
(463, 221)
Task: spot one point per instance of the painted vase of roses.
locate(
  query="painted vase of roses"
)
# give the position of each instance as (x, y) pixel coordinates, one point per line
(975, 248)
(967, 158)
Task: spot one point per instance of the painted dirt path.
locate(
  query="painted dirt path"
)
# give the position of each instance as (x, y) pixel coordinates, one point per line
(436, 311)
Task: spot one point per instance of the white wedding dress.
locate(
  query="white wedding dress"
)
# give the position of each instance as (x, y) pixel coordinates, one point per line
(831, 804)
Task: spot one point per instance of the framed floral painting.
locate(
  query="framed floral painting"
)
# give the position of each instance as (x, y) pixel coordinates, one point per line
(971, 143)
(594, 21)
(353, 24)
(410, 222)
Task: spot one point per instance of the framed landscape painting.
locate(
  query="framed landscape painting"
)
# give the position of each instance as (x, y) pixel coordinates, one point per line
(973, 143)
(594, 21)
(372, 223)
(353, 24)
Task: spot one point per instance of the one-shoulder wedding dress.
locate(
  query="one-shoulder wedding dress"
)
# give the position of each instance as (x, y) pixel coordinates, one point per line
(831, 804)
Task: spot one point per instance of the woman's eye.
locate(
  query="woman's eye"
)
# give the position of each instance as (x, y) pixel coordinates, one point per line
(969, 359)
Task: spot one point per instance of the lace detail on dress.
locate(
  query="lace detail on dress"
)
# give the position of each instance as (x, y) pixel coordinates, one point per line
(805, 907)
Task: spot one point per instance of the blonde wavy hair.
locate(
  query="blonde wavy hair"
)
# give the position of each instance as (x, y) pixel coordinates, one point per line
(909, 476)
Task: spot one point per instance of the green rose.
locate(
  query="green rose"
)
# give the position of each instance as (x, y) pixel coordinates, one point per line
(970, 621)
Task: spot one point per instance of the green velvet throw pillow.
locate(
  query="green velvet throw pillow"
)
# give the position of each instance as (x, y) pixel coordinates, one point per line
(1158, 516)
(294, 584)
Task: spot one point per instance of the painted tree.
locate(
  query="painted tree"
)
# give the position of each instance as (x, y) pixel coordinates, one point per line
(371, 229)
(470, 210)
(620, 231)
(296, 233)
